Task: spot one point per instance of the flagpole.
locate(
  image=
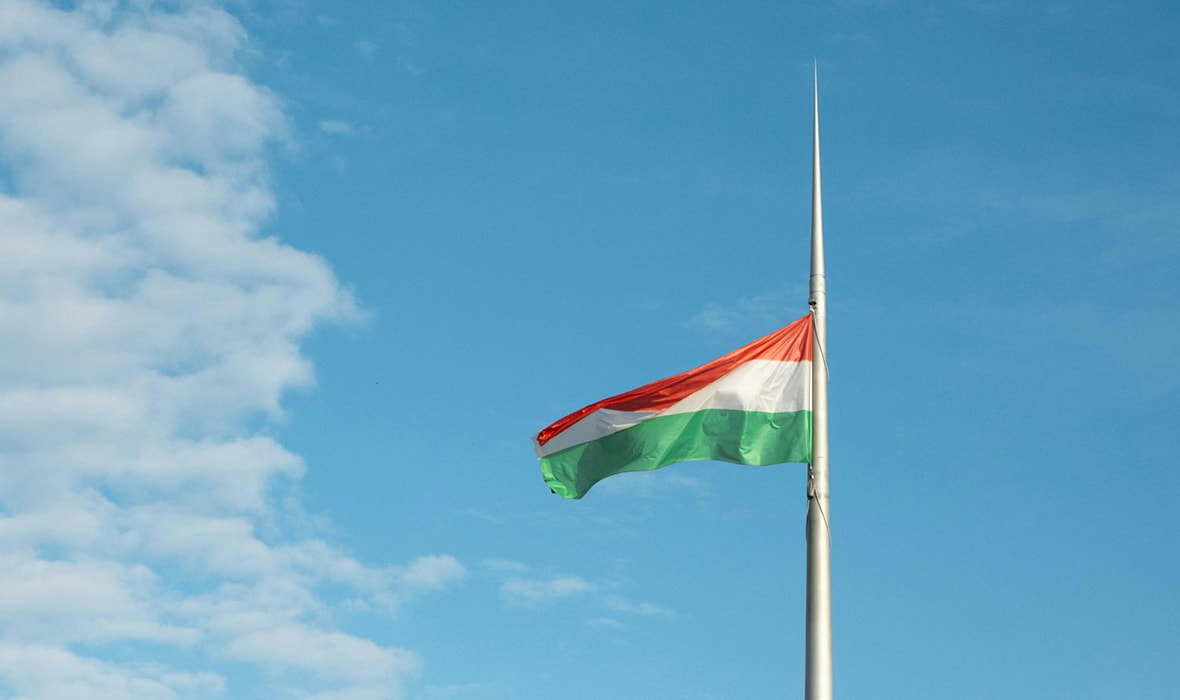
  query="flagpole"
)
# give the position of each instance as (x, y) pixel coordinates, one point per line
(818, 663)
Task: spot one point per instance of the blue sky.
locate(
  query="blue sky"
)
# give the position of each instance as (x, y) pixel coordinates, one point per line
(288, 286)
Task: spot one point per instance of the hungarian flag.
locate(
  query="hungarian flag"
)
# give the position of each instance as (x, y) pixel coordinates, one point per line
(752, 406)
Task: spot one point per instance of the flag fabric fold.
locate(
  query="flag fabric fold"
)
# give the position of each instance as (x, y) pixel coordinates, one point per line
(751, 406)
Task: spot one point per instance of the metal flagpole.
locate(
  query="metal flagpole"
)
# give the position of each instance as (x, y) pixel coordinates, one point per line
(818, 672)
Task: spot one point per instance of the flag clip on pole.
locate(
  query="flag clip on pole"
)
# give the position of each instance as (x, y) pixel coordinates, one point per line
(818, 660)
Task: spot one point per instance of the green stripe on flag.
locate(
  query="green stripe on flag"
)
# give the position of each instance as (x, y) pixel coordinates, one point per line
(740, 437)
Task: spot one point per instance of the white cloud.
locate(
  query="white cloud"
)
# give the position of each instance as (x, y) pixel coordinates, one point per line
(324, 654)
(431, 572)
(522, 586)
(82, 601)
(621, 604)
(56, 673)
(518, 590)
(148, 325)
(608, 623)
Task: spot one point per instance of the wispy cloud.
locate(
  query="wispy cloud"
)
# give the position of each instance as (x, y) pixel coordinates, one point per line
(621, 604)
(522, 586)
(337, 127)
(467, 691)
(518, 590)
(759, 311)
(148, 326)
(1140, 335)
(862, 38)
(505, 565)
(608, 623)
(1144, 224)
(662, 483)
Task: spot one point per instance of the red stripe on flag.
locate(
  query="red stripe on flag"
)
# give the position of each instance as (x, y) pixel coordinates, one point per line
(789, 344)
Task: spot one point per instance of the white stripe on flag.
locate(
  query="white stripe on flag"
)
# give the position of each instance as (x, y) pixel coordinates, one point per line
(769, 386)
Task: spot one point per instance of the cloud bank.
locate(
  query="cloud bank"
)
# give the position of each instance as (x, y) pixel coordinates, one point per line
(149, 332)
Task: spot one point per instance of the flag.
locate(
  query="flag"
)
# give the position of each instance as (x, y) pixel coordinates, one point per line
(752, 406)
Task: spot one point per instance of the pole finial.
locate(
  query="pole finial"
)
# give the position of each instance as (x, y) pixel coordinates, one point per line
(817, 221)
